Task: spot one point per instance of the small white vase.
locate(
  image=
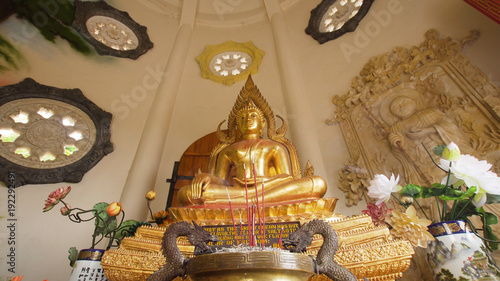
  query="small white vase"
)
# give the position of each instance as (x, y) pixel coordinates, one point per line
(88, 266)
(458, 254)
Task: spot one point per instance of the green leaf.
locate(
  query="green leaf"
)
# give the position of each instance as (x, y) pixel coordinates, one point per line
(52, 18)
(103, 222)
(438, 150)
(427, 192)
(455, 194)
(438, 186)
(436, 190)
(492, 198)
(125, 230)
(9, 54)
(412, 190)
(490, 218)
(470, 192)
(488, 234)
(73, 256)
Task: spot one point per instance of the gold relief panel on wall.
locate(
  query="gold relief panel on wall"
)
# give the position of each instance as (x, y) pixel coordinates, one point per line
(429, 94)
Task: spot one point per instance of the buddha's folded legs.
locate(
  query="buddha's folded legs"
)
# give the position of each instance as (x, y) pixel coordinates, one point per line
(307, 188)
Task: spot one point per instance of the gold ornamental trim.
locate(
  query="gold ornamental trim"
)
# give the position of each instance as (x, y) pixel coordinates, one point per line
(257, 265)
(301, 211)
(366, 250)
(371, 234)
(151, 232)
(122, 264)
(228, 48)
(350, 223)
(141, 244)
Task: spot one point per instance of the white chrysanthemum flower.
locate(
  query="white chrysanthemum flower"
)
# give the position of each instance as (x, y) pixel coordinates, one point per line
(474, 172)
(381, 188)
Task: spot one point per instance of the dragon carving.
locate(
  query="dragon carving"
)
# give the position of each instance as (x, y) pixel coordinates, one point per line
(175, 264)
(299, 240)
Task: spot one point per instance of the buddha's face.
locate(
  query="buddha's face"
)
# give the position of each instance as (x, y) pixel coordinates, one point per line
(403, 107)
(250, 121)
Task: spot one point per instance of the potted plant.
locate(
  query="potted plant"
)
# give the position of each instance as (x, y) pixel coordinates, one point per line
(457, 249)
(108, 229)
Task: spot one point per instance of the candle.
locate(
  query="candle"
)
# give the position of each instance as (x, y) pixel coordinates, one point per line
(232, 216)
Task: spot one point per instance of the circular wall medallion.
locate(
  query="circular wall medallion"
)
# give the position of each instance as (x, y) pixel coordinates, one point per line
(230, 61)
(112, 32)
(50, 135)
(43, 141)
(333, 18)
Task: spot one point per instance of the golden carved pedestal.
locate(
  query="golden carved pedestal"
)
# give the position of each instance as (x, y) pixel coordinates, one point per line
(366, 250)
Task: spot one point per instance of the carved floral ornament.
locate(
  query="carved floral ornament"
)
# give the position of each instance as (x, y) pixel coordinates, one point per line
(50, 135)
(429, 94)
(230, 61)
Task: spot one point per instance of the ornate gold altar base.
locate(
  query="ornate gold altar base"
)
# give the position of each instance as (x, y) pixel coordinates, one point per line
(366, 250)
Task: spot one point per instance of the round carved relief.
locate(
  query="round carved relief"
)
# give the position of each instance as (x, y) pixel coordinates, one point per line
(112, 33)
(50, 135)
(39, 136)
(230, 61)
(333, 18)
(45, 134)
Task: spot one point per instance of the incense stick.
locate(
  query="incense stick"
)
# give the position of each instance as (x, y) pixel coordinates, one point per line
(257, 198)
(280, 242)
(263, 218)
(241, 229)
(232, 216)
(248, 207)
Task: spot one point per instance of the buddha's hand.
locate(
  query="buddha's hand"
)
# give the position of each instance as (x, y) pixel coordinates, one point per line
(199, 185)
(416, 133)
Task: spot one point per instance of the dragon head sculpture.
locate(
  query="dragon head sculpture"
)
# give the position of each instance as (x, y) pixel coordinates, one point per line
(298, 241)
(199, 238)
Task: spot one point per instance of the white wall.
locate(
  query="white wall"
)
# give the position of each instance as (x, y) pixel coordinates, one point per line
(42, 239)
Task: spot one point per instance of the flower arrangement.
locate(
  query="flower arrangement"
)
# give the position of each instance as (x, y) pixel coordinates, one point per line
(161, 218)
(468, 184)
(103, 215)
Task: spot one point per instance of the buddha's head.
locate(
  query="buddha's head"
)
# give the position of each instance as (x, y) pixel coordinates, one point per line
(250, 121)
(403, 107)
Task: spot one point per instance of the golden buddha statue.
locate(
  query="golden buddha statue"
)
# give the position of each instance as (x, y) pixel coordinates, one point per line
(270, 164)
(290, 199)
